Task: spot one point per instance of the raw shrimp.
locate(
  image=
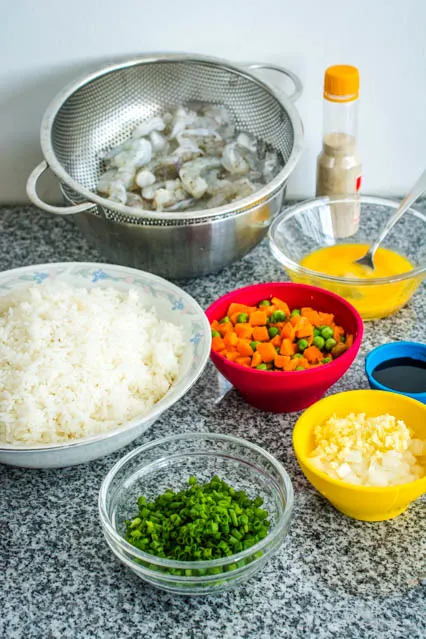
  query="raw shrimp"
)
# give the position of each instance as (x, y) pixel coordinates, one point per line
(158, 142)
(144, 178)
(134, 200)
(191, 158)
(170, 194)
(233, 161)
(191, 177)
(229, 191)
(145, 128)
(183, 118)
(131, 153)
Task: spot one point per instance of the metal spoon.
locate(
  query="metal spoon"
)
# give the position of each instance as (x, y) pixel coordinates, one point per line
(415, 192)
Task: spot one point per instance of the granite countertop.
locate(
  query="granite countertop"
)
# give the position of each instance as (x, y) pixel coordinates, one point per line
(333, 577)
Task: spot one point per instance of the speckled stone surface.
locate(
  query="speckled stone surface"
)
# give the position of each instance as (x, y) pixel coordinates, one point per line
(333, 577)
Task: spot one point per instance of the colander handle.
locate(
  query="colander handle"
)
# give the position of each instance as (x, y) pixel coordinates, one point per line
(59, 210)
(298, 86)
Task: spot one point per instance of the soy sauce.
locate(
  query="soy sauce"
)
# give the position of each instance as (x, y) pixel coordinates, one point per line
(403, 374)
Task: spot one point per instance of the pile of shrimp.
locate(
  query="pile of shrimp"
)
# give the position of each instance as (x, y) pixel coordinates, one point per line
(191, 159)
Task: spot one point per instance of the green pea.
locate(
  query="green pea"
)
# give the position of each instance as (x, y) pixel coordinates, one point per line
(225, 320)
(262, 367)
(343, 339)
(327, 360)
(295, 312)
(279, 316)
(299, 368)
(242, 318)
(271, 319)
(317, 332)
(273, 331)
(297, 355)
(265, 303)
(330, 343)
(215, 334)
(254, 345)
(319, 342)
(277, 348)
(302, 344)
(326, 332)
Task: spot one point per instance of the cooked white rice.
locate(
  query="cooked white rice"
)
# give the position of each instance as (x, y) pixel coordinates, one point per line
(77, 362)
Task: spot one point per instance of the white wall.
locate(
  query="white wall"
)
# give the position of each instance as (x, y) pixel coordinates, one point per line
(45, 44)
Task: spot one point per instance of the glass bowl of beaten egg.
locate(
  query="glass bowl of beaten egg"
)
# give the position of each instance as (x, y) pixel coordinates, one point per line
(318, 241)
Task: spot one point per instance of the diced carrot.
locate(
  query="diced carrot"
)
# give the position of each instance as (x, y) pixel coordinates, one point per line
(305, 310)
(326, 319)
(244, 361)
(238, 308)
(256, 359)
(313, 355)
(349, 340)
(225, 328)
(281, 305)
(295, 321)
(281, 360)
(311, 315)
(258, 318)
(269, 309)
(260, 334)
(234, 317)
(286, 347)
(337, 332)
(288, 331)
(292, 364)
(266, 351)
(243, 331)
(231, 355)
(244, 348)
(230, 339)
(276, 341)
(304, 329)
(218, 344)
(214, 325)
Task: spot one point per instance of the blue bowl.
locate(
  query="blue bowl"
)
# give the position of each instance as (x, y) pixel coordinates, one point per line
(386, 352)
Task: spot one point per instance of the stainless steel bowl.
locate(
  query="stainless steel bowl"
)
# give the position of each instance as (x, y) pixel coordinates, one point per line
(101, 110)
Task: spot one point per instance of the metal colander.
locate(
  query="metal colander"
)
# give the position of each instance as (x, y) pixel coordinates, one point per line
(102, 110)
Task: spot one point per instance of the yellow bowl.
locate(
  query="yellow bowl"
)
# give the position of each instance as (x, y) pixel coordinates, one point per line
(368, 503)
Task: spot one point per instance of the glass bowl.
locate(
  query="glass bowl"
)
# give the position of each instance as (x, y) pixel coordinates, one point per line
(309, 226)
(168, 463)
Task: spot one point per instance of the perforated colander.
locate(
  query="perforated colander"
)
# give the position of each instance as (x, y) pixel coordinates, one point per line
(101, 111)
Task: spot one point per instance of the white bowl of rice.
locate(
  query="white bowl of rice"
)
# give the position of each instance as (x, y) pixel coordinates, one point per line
(90, 356)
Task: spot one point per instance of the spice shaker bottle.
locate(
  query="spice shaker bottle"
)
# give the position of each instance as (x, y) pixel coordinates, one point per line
(338, 165)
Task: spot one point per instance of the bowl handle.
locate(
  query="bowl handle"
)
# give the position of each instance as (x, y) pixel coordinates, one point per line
(60, 210)
(298, 86)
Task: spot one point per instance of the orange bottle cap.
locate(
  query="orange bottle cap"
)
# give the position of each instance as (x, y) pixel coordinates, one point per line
(341, 83)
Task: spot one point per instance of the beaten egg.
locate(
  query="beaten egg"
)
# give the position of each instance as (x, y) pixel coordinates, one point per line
(371, 300)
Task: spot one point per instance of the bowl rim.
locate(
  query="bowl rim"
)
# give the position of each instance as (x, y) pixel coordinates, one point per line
(301, 458)
(159, 407)
(111, 533)
(399, 345)
(288, 213)
(264, 194)
(347, 355)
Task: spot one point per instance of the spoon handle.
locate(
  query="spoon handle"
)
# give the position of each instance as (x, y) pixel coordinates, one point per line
(418, 188)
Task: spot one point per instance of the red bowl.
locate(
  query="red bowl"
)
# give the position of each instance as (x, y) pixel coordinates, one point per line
(285, 392)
